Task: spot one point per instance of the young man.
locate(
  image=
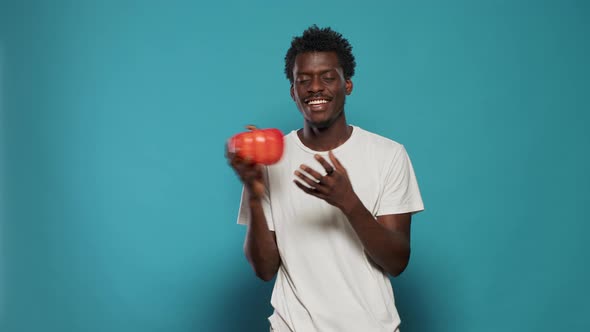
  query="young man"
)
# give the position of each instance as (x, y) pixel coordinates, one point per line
(331, 220)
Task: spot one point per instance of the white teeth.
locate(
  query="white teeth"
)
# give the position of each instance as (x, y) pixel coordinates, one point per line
(315, 102)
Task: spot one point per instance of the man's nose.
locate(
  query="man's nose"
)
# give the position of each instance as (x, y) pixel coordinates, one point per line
(316, 85)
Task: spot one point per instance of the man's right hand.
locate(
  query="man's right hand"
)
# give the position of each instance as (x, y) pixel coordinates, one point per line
(249, 172)
(260, 245)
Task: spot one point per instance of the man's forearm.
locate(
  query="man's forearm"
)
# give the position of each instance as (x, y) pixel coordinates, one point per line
(260, 246)
(388, 249)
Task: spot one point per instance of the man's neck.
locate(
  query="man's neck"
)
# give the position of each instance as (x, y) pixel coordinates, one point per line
(325, 139)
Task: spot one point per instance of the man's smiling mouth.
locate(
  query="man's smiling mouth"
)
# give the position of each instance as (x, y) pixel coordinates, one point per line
(316, 102)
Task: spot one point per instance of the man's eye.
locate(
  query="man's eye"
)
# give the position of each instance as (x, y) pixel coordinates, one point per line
(302, 81)
(329, 79)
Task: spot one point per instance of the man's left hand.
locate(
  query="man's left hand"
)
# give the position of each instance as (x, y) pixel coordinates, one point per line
(334, 187)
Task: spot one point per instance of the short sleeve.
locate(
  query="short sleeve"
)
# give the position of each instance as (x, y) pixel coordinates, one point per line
(400, 193)
(244, 211)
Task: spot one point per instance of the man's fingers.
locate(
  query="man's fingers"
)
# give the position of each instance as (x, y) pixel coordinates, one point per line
(249, 160)
(247, 171)
(228, 154)
(311, 172)
(303, 187)
(238, 163)
(306, 179)
(329, 169)
(308, 190)
(335, 160)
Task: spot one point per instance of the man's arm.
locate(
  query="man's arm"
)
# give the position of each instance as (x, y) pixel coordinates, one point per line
(387, 241)
(260, 246)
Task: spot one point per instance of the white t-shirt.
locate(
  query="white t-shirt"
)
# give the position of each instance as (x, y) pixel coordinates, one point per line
(326, 282)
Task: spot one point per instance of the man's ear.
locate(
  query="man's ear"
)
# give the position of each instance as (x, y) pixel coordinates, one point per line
(292, 92)
(348, 86)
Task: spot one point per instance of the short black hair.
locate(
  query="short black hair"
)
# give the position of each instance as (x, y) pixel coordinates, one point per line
(315, 39)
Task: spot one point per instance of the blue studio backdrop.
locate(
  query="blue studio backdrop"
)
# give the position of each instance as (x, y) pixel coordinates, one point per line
(118, 210)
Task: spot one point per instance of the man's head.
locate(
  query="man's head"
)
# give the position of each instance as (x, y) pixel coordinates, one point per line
(319, 66)
(315, 39)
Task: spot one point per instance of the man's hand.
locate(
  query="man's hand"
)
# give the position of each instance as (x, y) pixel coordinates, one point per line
(260, 244)
(334, 187)
(250, 173)
(386, 241)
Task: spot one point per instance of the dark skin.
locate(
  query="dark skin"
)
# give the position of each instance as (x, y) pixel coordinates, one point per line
(319, 90)
(260, 245)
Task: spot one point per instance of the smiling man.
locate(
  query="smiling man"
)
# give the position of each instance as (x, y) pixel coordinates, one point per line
(331, 220)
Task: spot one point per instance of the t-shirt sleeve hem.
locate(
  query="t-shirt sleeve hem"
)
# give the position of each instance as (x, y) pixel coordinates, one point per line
(413, 209)
(244, 218)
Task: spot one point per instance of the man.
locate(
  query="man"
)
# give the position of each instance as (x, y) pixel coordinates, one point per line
(332, 219)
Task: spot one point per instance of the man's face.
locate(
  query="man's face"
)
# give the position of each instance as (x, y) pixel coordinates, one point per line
(319, 87)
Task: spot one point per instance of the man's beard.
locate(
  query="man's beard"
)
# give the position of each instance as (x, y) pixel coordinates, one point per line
(328, 122)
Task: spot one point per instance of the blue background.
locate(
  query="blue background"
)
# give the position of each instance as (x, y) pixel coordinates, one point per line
(118, 208)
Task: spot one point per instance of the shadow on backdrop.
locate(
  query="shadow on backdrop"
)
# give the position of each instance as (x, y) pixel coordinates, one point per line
(245, 306)
(412, 303)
